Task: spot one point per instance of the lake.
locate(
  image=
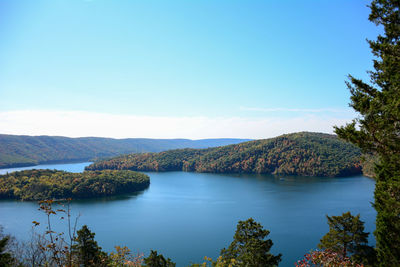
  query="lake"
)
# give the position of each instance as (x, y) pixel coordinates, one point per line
(186, 216)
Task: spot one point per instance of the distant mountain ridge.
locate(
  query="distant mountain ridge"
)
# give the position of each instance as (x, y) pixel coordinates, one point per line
(23, 150)
(304, 153)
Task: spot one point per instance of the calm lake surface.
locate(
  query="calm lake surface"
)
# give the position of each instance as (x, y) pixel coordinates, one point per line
(186, 216)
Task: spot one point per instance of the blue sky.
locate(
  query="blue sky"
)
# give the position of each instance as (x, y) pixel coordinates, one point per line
(189, 69)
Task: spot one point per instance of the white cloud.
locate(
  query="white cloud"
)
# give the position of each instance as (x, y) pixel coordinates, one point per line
(82, 123)
(305, 110)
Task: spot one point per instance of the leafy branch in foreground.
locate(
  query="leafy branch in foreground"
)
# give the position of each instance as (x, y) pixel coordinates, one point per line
(78, 248)
(6, 258)
(346, 244)
(326, 258)
(347, 239)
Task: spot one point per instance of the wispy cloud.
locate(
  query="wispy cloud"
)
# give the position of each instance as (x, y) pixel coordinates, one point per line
(305, 110)
(82, 123)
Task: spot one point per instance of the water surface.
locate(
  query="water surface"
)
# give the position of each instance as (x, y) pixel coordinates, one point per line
(70, 167)
(187, 216)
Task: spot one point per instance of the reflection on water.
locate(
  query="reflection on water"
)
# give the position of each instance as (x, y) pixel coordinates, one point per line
(123, 197)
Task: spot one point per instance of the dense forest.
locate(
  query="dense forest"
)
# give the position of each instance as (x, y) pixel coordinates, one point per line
(52, 184)
(22, 150)
(305, 153)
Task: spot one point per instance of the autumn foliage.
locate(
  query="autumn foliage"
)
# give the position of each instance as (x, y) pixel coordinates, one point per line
(306, 154)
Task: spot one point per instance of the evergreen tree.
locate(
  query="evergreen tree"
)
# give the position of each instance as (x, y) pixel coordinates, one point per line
(157, 260)
(377, 129)
(347, 238)
(5, 257)
(249, 246)
(86, 250)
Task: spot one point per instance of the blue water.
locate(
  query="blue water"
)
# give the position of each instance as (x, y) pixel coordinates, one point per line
(187, 216)
(71, 167)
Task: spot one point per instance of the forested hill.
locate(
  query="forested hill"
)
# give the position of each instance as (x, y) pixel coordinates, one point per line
(308, 154)
(52, 184)
(20, 150)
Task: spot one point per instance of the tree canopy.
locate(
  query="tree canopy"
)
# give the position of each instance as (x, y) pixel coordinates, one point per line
(250, 246)
(5, 257)
(22, 150)
(377, 128)
(307, 154)
(86, 251)
(347, 238)
(52, 184)
(157, 260)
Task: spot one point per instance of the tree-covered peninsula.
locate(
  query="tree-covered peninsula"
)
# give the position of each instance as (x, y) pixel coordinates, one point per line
(53, 184)
(305, 154)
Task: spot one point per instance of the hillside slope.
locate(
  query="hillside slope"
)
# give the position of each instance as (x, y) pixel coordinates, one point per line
(20, 150)
(306, 154)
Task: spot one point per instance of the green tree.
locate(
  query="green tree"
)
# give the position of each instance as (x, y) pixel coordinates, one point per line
(86, 251)
(157, 260)
(250, 246)
(346, 237)
(377, 129)
(5, 257)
